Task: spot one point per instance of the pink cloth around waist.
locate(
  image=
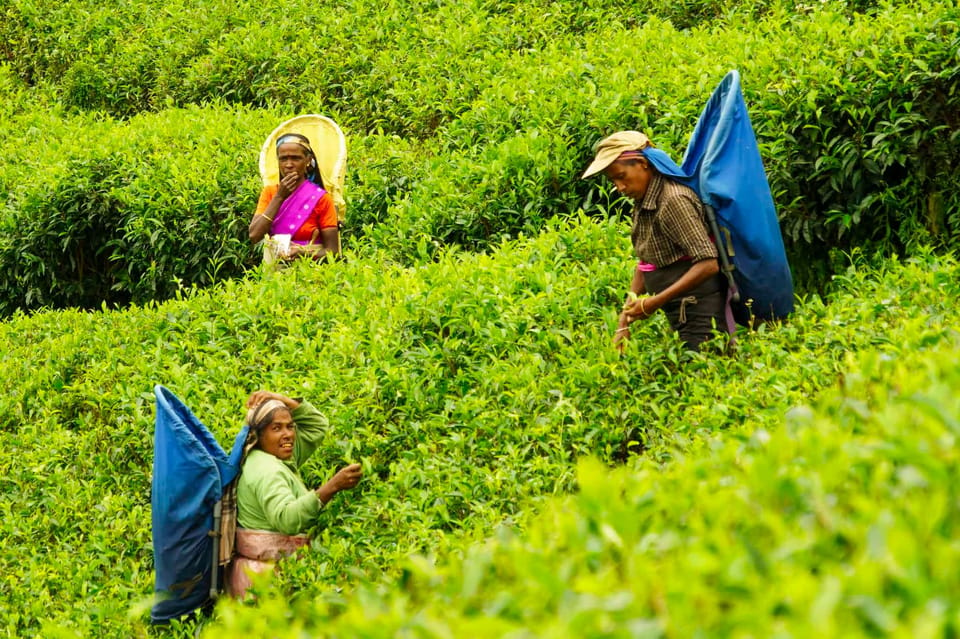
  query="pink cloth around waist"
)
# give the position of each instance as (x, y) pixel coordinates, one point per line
(267, 546)
(646, 267)
(257, 552)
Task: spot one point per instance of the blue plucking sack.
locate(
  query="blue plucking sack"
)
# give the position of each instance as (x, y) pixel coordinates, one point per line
(723, 165)
(190, 472)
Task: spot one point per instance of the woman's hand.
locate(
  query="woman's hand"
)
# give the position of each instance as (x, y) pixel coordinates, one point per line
(292, 253)
(315, 251)
(287, 185)
(258, 397)
(345, 479)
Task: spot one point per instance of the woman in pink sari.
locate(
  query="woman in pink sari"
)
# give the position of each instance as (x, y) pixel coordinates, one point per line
(297, 209)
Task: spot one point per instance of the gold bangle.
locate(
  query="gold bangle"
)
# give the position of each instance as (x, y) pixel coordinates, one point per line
(268, 219)
(620, 330)
(642, 309)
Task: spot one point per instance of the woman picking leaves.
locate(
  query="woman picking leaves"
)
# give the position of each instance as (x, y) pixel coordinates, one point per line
(297, 207)
(274, 506)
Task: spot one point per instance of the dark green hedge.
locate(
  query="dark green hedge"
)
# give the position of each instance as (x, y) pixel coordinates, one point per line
(128, 212)
(858, 140)
(465, 136)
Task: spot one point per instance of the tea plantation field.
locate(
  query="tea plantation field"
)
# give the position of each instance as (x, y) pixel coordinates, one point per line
(130, 134)
(522, 478)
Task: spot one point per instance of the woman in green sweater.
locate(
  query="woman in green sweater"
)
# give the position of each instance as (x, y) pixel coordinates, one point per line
(274, 506)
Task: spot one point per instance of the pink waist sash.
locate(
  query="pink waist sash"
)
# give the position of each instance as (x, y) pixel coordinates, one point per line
(257, 551)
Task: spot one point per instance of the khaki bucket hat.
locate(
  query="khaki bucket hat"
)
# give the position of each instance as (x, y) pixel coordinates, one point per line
(609, 149)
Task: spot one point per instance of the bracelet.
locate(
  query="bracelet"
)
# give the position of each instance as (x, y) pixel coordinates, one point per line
(268, 219)
(642, 309)
(620, 330)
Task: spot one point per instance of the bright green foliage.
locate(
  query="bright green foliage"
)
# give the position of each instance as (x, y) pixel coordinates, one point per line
(370, 59)
(468, 123)
(468, 387)
(843, 522)
(479, 389)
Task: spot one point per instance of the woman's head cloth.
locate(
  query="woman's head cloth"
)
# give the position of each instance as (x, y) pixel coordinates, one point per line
(295, 138)
(262, 414)
(609, 149)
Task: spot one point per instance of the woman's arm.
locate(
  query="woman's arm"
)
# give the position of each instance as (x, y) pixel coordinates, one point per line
(260, 396)
(345, 479)
(312, 427)
(329, 245)
(283, 512)
(331, 240)
(290, 515)
(260, 224)
(329, 225)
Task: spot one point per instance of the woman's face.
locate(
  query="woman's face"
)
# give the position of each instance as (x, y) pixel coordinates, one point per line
(631, 177)
(292, 158)
(278, 436)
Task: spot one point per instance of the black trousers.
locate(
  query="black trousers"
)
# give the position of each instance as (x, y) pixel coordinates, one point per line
(695, 314)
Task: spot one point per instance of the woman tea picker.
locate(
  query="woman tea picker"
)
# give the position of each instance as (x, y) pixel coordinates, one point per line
(298, 207)
(274, 507)
(677, 266)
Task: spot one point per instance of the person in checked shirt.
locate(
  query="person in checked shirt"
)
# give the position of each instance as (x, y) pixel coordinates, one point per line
(678, 269)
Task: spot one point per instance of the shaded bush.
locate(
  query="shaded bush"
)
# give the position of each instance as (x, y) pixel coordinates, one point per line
(152, 207)
(476, 131)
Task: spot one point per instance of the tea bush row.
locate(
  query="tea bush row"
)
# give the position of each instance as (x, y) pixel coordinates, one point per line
(396, 67)
(841, 522)
(101, 211)
(104, 212)
(857, 152)
(855, 156)
(468, 387)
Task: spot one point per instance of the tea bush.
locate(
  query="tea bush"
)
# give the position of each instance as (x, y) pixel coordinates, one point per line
(121, 59)
(104, 211)
(879, 153)
(469, 388)
(124, 213)
(475, 386)
(838, 523)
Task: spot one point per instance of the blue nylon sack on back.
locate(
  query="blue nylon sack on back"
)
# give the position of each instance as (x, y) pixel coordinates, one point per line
(190, 472)
(723, 165)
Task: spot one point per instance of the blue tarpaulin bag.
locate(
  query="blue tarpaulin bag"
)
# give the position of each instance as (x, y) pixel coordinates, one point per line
(190, 473)
(723, 165)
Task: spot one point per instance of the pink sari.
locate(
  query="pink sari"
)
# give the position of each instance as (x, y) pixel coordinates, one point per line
(296, 209)
(258, 551)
